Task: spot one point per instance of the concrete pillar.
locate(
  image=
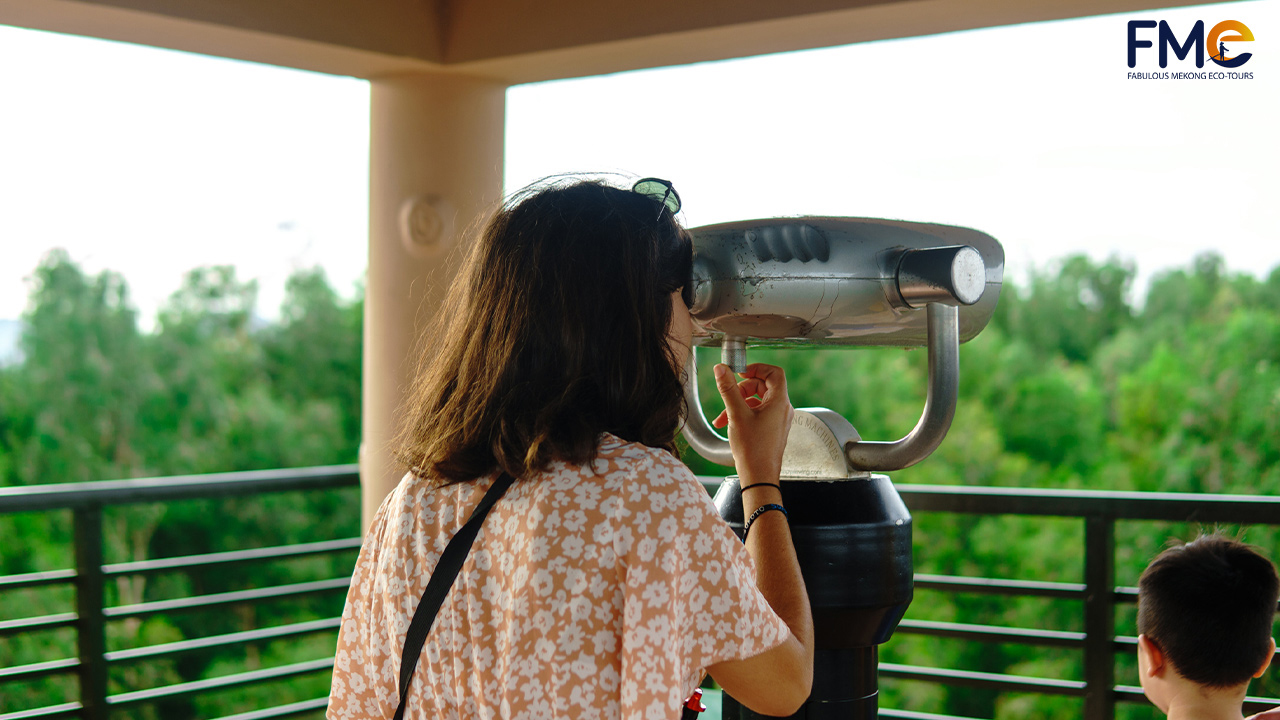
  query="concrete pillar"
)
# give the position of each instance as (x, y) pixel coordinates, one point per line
(436, 146)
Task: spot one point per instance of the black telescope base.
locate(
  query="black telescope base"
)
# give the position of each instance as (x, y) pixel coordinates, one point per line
(845, 687)
(852, 538)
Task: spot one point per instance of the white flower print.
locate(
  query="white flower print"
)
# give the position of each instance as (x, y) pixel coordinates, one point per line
(590, 592)
(542, 583)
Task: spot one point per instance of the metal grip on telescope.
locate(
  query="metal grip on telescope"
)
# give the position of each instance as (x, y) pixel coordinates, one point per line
(938, 279)
(864, 455)
(702, 438)
(939, 404)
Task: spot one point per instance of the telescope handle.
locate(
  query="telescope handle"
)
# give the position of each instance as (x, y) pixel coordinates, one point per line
(939, 405)
(865, 455)
(702, 438)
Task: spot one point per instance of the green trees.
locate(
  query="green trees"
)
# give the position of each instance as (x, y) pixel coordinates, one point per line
(211, 390)
(82, 379)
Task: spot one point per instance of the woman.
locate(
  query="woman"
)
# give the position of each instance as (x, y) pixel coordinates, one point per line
(603, 584)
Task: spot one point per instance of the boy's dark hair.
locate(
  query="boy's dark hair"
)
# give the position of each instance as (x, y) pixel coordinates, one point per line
(554, 331)
(1209, 605)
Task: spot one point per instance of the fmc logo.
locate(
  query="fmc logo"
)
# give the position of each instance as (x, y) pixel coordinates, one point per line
(1216, 41)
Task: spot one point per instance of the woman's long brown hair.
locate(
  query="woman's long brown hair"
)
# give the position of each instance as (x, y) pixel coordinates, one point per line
(554, 331)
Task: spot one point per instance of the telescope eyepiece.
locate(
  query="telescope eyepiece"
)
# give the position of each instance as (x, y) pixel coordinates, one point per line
(700, 285)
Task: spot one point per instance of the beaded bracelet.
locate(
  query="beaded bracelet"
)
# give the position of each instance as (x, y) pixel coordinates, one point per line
(760, 511)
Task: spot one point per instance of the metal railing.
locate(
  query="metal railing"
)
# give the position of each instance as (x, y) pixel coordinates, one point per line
(1098, 594)
(1099, 510)
(87, 502)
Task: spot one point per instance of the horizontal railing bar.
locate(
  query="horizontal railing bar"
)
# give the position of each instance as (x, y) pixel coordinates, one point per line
(1072, 591)
(181, 646)
(234, 556)
(1126, 594)
(913, 715)
(1122, 505)
(1257, 704)
(281, 711)
(991, 681)
(34, 670)
(227, 598)
(1129, 595)
(182, 487)
(1133, 693)
(1130, 693)
(35, 624)
(993, 633)
(48, 711)
(1127, 643)
(236, 680)
(36, 579)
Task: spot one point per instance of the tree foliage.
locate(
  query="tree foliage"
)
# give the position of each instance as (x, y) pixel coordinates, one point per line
(213, 389)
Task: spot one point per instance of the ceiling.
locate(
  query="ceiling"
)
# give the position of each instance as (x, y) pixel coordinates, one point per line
(518, 41)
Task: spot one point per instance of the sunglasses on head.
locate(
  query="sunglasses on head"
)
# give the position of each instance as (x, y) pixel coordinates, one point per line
(662, 191)
(668, 199)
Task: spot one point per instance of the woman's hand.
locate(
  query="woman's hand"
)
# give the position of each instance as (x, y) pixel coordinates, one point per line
(758, 413)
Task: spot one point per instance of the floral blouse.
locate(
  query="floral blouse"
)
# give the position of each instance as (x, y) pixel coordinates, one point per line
(590, 592)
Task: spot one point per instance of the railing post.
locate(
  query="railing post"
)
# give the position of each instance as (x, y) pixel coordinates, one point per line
(1099, 617)
(91, 638)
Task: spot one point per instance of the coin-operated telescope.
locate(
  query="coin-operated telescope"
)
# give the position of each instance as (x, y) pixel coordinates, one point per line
(820, 281)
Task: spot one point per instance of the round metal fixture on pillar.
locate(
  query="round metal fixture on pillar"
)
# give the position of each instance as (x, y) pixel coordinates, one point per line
(426, 224)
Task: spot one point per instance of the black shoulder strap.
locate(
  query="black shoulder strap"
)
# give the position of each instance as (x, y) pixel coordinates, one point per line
(455, 553)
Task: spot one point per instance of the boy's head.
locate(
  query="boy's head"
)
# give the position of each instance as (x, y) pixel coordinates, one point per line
(1206, 608)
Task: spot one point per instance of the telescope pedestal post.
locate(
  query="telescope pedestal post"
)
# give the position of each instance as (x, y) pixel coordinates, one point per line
(844, 688)
(853, 540)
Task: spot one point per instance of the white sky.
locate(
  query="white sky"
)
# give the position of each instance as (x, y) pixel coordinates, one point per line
(152, 162)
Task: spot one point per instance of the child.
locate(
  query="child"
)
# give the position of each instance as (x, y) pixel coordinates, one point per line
(1204, 613)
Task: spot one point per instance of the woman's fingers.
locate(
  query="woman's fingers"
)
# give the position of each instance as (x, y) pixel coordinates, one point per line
(771, 374)
(723, 418)
(752, 386)
(764, 380)
(758, 415)
(765, 383)
(734, 402)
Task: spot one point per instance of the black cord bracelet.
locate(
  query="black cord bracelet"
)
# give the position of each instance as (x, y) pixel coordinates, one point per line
(761, 484)
(760, 511)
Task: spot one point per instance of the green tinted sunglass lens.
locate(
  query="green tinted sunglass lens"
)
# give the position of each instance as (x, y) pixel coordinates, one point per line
(659, 190)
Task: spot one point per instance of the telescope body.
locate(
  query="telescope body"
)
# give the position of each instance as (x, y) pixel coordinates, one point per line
(809, 281)
(822, 281)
